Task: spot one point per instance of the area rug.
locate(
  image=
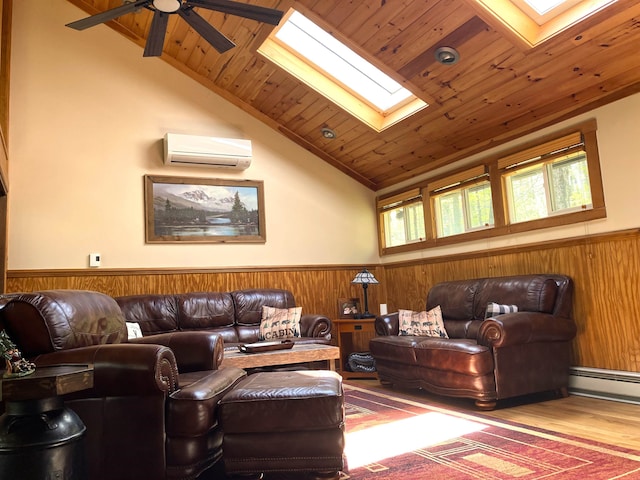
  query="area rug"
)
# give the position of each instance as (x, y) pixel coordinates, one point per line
(394, 438)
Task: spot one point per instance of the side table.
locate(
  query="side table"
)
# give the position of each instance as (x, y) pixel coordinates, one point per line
(39, 437)
(353, 335)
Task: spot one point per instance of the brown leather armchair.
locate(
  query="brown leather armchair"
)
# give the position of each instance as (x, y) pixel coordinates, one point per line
(152, 412)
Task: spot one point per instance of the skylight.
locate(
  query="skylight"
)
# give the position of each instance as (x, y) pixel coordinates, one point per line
(340, 62)
(543, 6)
(326, 64)
(535, 21)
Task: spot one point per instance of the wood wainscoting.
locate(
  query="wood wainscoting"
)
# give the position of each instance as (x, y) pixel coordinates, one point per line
(606, 272)
(316, 289)
(605, 269)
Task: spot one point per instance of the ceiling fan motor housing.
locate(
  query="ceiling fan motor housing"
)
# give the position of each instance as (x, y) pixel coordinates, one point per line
(167, 6)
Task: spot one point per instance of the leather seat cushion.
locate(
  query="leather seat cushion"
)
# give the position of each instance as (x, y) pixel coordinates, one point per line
(396, 348)
(455, 355)
(284, 401)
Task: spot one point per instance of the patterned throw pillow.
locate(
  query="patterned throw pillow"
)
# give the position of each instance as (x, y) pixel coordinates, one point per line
(133, 330)
(422, 324)
(495, 309)
(280, 323)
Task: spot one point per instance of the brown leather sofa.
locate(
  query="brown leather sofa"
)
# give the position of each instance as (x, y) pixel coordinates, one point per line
(152, 412)
(235, 316)
(485, 359)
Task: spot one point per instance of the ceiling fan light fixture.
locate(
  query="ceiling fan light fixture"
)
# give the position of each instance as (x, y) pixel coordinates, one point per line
(167, 6)
(328, 133)
(447, 55)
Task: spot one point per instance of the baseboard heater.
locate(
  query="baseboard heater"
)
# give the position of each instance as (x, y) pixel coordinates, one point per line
(606, 384)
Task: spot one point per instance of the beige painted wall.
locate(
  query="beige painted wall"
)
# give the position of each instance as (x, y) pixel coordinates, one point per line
(87, 116)
(618, 130)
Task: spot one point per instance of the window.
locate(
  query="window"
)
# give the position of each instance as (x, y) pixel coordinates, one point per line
(402, 219)
(463, 204)
(554, 181)
(329, 66)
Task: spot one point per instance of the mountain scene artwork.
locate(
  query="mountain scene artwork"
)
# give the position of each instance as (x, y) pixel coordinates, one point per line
(205, 210)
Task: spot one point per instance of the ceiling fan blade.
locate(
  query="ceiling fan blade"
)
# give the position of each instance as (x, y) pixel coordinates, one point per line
(108, 15)
(254, 12)
(206, 31)
(157, 32)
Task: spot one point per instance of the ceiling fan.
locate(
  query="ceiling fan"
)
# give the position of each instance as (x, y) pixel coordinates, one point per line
(185, 8)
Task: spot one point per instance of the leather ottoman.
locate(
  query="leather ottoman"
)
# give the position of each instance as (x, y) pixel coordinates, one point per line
(284, 422)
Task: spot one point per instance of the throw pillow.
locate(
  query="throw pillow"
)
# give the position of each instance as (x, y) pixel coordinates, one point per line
(133, 330)
(495, 309)
(280, 323)
(422, 324)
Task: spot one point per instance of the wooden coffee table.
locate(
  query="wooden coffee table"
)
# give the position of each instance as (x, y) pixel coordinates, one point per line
(300, 353)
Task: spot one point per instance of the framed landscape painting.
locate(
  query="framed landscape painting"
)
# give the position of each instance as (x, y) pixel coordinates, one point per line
(203, 210)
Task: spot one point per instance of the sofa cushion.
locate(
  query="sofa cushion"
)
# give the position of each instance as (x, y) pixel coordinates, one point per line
(532, 293)
(248, 303)
(395, 348)
(423, 324)
(495, 309)
(461, 355)
(52, 320)
(155, 313)
(456, 299)
(202, 310)
(280, 323)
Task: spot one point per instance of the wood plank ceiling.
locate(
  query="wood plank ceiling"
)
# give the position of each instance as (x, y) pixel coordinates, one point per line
(499, 90)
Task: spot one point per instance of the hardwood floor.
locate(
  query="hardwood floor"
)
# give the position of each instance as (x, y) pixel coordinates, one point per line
(611, 422)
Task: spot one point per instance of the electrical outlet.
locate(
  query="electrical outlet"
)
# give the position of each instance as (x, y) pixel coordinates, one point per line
(95, 259)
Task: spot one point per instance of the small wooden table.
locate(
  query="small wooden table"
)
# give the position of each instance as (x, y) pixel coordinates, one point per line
(47, 382)
(353, 335)
(300, 353)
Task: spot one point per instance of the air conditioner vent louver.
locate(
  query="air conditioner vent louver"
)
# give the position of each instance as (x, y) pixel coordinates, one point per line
(199, 151)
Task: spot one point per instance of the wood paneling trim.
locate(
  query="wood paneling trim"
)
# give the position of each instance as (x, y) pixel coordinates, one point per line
(547, 244)
(83, 272)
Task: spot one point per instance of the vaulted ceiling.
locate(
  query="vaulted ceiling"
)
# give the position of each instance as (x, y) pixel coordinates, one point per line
(500, 89)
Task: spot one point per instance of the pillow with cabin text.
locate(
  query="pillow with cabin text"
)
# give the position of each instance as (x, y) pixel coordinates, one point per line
(280, 323)
(422, 324)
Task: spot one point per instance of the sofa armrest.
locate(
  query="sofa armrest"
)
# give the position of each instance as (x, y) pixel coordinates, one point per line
(194, 351)
(121, 369)
(314, 325)
(525, 327)
(192, 409)
(387, 325)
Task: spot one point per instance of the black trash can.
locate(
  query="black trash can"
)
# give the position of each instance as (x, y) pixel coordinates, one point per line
(41, 439)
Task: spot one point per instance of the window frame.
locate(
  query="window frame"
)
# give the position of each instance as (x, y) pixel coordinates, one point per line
(495, 168)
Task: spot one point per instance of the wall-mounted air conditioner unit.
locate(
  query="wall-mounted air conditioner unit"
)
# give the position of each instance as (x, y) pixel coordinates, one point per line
(198, 151)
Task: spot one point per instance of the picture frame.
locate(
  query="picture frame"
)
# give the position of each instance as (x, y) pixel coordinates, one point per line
(348, 307)
(203, 210)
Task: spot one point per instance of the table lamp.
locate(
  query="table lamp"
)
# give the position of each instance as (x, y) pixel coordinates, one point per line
(365, 278)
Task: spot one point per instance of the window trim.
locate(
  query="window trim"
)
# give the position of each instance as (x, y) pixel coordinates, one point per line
(491, 167)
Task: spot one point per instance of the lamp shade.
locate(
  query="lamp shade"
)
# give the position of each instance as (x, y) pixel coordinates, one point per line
(364, 276)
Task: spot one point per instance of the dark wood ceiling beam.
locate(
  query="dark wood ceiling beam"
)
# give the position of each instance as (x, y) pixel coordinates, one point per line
(459, 36)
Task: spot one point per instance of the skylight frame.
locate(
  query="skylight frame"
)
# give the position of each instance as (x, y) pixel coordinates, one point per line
(335, 59)
(526, 26)
(340, 91)
(543, 11)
